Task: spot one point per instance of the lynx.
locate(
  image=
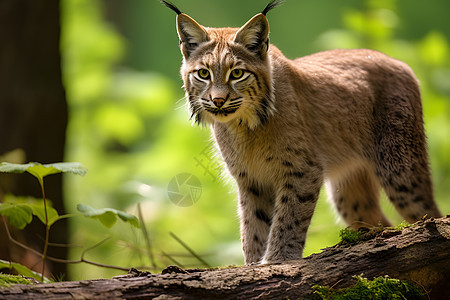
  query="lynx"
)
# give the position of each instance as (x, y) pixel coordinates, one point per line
(349, 119)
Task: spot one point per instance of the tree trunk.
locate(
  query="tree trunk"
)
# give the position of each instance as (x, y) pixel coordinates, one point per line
(33, 114)
(420, 254)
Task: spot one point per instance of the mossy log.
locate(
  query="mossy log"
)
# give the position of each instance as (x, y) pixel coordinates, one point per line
(420, 253)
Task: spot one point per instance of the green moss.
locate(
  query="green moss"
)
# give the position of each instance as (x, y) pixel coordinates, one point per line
(377, 289)
(6, 280)
(402, 225)
(349, 236)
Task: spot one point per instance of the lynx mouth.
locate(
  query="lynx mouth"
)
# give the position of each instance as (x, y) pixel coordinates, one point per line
(222, 111)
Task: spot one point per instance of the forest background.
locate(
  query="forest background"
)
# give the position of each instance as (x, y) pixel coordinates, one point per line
(128, 123)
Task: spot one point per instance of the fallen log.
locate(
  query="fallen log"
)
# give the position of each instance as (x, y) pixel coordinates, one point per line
(420, 253)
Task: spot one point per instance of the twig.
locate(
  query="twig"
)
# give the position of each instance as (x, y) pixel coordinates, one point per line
(17, 242)
(47, 229)
(173, 260)
(424, 289)
(185, 246)
(146, 237)
(94, 246)
(64, 245)
(336, 283)
(60, 260)
(61, 217)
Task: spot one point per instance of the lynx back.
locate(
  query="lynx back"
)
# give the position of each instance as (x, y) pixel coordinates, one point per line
(349, 119)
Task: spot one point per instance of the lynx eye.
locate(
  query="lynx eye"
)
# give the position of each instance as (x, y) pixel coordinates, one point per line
(236, 74)
(203, 73)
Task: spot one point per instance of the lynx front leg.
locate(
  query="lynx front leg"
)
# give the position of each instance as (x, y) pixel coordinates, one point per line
(294, 208)
(255, 211)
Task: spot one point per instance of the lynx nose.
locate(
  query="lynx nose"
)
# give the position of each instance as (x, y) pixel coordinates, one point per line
(219, 102)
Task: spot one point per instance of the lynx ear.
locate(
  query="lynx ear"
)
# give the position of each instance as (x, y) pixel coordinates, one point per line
(191, 34)
(254, 35)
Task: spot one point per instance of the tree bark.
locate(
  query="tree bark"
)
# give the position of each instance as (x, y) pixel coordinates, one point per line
(33, 115)
(420, 254)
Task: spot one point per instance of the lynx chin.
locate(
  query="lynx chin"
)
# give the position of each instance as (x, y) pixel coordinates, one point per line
(349, 119)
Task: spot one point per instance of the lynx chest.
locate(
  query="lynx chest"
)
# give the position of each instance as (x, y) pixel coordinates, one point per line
(251, 154)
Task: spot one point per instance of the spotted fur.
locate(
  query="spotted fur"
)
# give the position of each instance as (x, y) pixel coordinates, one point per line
(349, 119)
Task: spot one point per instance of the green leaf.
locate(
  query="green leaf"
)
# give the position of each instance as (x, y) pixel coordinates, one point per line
(107, 216)
(13, 168)
(18, 214)
(70, 167)
(40, 171)
(22, 270)
(38, 211)
(20, 210)
(133, 220)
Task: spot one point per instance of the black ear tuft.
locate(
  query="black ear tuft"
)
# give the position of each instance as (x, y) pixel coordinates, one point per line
(271, 6)
(171, 6)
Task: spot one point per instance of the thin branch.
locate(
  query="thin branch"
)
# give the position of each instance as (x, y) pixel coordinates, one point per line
(104, 265)
(60, 260)
(185, 246)
(146, 237)
(61, 217)
(8, 233)
(94, 246)
(64, 245)
(173, 260)
(47, 228)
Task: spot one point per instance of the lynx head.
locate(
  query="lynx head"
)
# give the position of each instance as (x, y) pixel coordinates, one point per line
(227, 71)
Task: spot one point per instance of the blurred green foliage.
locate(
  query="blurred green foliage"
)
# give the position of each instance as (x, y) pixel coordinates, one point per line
(129, 125)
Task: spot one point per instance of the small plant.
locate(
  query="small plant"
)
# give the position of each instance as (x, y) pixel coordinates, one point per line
(20, 210)
(381, 287)
(21, 269)
(350, 236)
(39, 171)
(402, 225)
(107, 216)
(6, 280)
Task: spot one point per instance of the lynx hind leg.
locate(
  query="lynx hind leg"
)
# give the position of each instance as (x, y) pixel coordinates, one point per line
(406, 179)
(356, 197)
(402, 159)
(410, 190)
